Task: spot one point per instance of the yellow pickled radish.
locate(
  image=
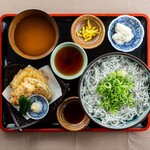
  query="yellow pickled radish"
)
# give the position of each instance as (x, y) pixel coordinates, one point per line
(88, 31)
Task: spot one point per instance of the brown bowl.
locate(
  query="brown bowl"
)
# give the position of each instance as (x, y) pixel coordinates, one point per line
(71, 115)
(82, 21)
(33, 34)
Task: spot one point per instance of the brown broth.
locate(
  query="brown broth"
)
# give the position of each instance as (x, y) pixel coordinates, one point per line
(68, 61)
(74, 113)
(34, 35)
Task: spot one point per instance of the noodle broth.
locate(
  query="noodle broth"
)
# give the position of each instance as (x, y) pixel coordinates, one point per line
(68, 60)
(33, 34)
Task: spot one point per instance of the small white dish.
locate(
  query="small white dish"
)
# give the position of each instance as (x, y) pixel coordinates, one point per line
(137, 30)
(45, 107)
(71, 54)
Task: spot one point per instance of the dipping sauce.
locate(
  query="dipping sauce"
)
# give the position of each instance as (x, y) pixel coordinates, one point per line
(73, 112)
(68, 61)
(34, 35)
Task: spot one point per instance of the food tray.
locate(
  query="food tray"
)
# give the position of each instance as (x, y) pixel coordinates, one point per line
(64, 22)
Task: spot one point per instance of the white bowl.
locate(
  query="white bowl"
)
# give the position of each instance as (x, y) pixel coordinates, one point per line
(137, 29)
(57, 71)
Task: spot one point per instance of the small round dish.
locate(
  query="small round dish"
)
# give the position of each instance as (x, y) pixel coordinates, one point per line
(71, 115)
(44, 110)
(137, 30)
(82, 21)
(68, 60)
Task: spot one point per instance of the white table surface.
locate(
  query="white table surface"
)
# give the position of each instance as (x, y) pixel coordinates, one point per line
(79, 140)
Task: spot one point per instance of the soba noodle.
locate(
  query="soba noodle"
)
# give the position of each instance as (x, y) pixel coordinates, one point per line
(97, 72)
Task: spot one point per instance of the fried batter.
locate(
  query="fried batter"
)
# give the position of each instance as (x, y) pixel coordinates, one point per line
(28, 72)
(28, 87)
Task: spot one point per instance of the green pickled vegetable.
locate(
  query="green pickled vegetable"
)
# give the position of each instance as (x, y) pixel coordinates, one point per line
(115, 91)
(24, 105)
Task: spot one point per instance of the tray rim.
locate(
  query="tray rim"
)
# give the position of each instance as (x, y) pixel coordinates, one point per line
(98, 129)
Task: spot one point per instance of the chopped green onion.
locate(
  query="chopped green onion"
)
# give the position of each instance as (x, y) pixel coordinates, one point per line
(115, 91)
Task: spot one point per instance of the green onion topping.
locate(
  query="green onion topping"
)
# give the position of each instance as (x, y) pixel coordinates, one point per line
(115, 91)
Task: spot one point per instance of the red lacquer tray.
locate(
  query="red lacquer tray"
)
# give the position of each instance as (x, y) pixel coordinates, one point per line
(64, 22)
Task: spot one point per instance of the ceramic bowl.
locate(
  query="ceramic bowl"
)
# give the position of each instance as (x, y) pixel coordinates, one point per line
(71, 115)
(82, 21)
(68, 60)
(45, 107)
(137, 30)
(41, 44)
(96, 72)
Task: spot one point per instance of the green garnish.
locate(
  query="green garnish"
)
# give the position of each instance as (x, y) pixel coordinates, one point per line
(115, 91)
(24, 105)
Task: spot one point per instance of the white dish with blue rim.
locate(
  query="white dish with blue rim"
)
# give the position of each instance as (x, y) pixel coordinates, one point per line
(44, 109)
(137, 29)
